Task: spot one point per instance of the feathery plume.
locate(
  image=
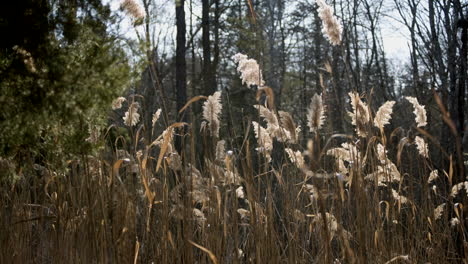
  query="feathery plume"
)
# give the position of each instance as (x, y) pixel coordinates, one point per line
(211, 110)
(199, 216)
(132, 117)
(386, 171)
(287, 122)
(382, 153)
(240, 254)
(133, 8)
(240, 192)
(360, 115)
(385, 174)
(383, 115)
(249, 69)
(316, 113)
(392, 172)
(454, 222)
(419, 111)
(270, 117)
(347, 152)
(458, 187)
(296, 158)
(156, 116)
(264, 140)
(220, 150)
(203, 126)
(284, 135)
(332, 28)
(244, 214)
(273, 125)
(167, 134)
(117, 103)
(432, 176)
(438, 211)
(27, 58)
(400, 198)
(422, 146)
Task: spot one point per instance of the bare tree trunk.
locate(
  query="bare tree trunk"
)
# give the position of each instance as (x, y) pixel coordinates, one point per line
(282, 48)
(194, 60)
(414, 60)
(317, 51)
(372, 17)
(461, 95)
(305, 95)
(273, 16)
(181, 65)
(338, 93)
(214, 66)
(452, 100)
(207, 72)
(458, 111)
(436, 51)
(356, 46)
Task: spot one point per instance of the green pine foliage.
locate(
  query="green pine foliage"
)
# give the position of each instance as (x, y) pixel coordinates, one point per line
(53, 86)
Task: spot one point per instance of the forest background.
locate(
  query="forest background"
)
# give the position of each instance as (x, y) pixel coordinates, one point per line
(75, 73)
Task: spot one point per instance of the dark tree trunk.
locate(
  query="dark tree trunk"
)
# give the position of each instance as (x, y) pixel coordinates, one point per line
(454, 144)
(356, 46)
(436, 52)
(318, 60)
(207, 73)
(181, 65)
(461, 95)
(459, 111)
(414, 52)
(214, 66)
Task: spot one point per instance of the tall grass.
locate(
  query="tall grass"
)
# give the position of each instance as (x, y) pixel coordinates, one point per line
(261, 192)
(265, 196)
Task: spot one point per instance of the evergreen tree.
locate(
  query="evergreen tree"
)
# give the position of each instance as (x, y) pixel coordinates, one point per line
(60, 67)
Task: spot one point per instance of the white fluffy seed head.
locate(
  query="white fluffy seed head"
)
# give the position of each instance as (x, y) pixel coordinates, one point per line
(316, 113)
(432, 176)
(419, 111)
(383, 115)
(240, 192)
(265, 142)
(211, 111)
(332, 27)
(400, 198)
(422, 146)
(117, 103)
(296, 158)
(454, 222)
(360, 116)
(249, 69)
(438, 211)
(156, 116)
(133, 8)
(132, 117)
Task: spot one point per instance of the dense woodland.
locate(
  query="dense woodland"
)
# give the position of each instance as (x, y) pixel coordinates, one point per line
(233, 131)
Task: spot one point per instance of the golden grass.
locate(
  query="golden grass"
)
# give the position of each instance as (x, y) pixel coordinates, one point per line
(345, 202)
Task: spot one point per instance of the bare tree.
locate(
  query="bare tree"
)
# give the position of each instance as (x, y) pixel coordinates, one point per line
(181, 64)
